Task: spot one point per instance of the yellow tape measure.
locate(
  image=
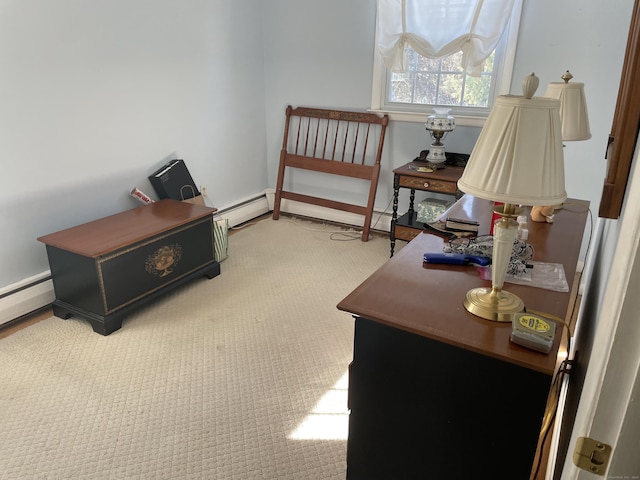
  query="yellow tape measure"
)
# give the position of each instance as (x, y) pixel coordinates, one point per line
(533, 322)
(533, 331)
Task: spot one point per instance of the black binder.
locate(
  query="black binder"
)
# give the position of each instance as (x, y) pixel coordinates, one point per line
(173, 180)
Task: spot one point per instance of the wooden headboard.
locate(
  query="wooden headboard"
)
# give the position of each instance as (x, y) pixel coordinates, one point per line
(335, 142)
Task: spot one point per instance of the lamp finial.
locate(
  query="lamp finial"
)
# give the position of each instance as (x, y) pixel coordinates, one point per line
(566, 76)
(530, 85)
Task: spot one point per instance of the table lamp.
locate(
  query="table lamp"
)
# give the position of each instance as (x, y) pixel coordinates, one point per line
(438, 126)
(573, 108)
(575, 125)
(517, 160)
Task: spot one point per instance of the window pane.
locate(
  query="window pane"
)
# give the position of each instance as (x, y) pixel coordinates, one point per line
(488, 63)
(450, 89)
(412, 58)
(452, 63)
(441, 81)
(401, 88)
(476, 91)
(426, 88)
(427, 64)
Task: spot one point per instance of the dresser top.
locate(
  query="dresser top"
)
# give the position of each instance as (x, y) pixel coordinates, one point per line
(427, 299)
(111, 233)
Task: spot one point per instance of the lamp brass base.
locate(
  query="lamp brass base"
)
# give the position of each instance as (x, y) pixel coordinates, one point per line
(493, 304)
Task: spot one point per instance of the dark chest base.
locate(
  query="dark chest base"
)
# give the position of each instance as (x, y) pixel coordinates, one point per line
(106, 324)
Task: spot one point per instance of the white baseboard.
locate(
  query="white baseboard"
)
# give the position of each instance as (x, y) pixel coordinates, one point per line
(25, 297)
(380, 221)
(244, 211)
(256, 206)
(36, 292)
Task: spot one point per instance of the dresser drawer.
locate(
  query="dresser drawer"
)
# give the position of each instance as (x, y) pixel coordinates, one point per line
(428, 184)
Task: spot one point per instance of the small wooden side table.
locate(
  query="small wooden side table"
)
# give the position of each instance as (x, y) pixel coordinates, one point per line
(443, 180)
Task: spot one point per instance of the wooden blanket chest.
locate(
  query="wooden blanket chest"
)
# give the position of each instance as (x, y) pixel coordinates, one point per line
(104, 269)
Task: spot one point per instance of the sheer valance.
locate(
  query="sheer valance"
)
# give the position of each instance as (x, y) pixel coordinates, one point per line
(437, 28)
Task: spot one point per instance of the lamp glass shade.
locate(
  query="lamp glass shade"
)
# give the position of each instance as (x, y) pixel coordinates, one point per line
(518, 158)
(573, 109)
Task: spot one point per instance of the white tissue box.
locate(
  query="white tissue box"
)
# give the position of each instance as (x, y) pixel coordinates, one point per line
(430, 209)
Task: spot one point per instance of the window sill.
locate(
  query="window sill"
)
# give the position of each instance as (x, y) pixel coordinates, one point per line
(461, 120)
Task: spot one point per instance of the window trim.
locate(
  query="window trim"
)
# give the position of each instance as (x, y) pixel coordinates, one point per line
(503, 79)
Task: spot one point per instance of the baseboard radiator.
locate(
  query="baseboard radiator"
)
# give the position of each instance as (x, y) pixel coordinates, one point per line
(24, 297)
(35, 293)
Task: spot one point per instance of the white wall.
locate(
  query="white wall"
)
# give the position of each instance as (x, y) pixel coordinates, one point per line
(590, 41)
(322, 54)
(95, 95)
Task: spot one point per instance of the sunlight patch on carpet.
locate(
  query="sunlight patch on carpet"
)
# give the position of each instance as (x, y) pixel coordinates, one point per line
(329, 419)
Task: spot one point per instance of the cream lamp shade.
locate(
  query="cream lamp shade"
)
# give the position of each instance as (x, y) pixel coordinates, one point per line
(573, 108)
(518, 158)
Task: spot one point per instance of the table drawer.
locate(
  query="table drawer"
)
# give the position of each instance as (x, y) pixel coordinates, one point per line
(428, 184)
(406, 233)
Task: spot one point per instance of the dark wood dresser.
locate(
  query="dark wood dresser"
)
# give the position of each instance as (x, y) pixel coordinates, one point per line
(436, 392)
(104, 269)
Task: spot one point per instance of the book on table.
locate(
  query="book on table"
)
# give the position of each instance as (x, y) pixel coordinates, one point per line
(461, 224)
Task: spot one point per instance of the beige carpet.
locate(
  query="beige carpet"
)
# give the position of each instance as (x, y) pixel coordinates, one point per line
(211, 381)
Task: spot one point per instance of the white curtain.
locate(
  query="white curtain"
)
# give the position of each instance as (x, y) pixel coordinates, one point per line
(437, 28)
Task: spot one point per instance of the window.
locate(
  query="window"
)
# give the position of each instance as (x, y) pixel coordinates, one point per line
(427, 83)
(440, 82)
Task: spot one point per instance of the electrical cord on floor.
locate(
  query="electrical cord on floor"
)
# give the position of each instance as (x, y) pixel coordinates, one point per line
(348, 233)
(382, 213)
(343, 235)
(248, 224)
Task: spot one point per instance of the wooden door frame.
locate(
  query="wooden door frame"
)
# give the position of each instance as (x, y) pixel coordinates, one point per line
(625, 126)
